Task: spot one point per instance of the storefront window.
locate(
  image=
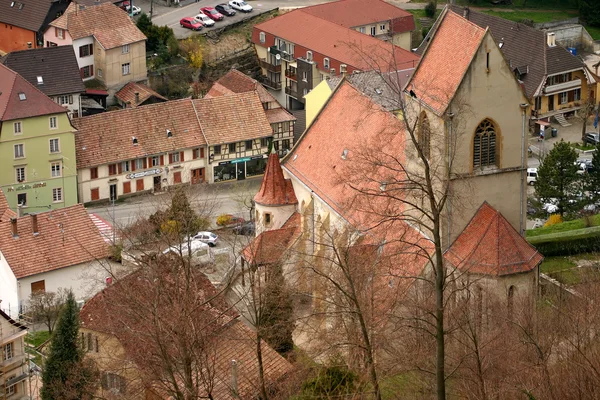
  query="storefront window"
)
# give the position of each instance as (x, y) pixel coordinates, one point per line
(256, 167)
(225, 172)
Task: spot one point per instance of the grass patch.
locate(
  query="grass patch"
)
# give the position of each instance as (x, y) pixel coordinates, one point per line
(562, 227)
(37, 338)
(594, 32)
(583, 146)
(563, 269)
(535, 16)
(407, 384)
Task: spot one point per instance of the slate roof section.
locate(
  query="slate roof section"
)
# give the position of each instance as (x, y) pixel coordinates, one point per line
(489, 245)
(127, 94)
(111, 26)
(13, 88)
(30, 16)
(275, 190)
(5, 212)
(345, 45)
(354, 13)
(56, 65)
(268, 247)
(65, 237)
(445, 61)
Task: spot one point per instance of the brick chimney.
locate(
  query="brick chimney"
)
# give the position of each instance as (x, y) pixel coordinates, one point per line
(13, 227)
(137, 98)
(34, 224)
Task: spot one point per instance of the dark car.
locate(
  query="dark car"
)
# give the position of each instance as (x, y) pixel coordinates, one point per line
(225, 9)
(190, 23)
(592, 138)
(246, 229)
(212, 13)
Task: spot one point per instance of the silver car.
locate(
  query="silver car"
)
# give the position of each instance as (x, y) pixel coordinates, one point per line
(206, 237)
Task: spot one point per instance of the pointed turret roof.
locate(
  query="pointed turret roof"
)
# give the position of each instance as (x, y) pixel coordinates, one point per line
(275, 189)
(490, 245)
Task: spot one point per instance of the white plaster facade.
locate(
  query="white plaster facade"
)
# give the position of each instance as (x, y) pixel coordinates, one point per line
(9, 295)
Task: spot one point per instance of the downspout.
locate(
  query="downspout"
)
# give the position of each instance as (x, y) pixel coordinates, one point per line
(450, 115)
(522, 199)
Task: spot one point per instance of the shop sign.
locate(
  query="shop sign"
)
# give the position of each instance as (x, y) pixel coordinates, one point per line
(141, 174)
(25, 187)
(241, 160)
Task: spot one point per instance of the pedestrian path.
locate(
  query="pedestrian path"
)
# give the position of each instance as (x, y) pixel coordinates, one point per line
(105, 228)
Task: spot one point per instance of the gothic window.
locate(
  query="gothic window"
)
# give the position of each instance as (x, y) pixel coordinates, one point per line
(424, 135)
(484, 145)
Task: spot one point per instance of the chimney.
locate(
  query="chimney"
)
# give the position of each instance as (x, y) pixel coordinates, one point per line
(137, 98)
(551, 39)
(19, 210)
(466, 13)
(34, 224)
(343, 69)
(332, 72)
(234, 378)
(13, 227)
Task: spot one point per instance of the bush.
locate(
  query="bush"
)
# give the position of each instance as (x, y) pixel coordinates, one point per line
(424, 31)
(223, 220)
(553, 220)
(569, 245)
(430, 9)
(331, 381)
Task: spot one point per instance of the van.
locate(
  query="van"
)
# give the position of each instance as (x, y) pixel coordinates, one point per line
(531, 175)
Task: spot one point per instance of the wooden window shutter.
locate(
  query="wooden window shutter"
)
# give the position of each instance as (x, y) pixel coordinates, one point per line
(91, 49)
(149, 162)
(571, 95)
(145, 163)
(120, 167)
(195, 153)
(181, 157)
(170, 158)
(201, 152)
(91, 70)
(177, 177)
(139, 185)
(95, 194)
(133, 162)
(56, 32)
(162, 160)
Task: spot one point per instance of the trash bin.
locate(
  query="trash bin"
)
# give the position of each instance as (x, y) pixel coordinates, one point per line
(554, 132)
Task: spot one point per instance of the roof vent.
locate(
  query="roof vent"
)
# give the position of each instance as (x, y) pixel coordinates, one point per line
(383, 186)
(379, 91)
(169, 133)
(500, 44)
(344, 154)
(134, 140)
(551, 39)
(40, 80)
(22, 96)
(295, 156)
(21, 5)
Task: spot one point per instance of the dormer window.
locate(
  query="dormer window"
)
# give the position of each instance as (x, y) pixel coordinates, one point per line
(309, 55)
(344, 154)
(22, 96)
(326, 63)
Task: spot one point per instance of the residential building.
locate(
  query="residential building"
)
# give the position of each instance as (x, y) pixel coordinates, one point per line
(150, 148)
(136, 94)
(5, 212)
(370, 17)
(14, 367)
(297, 50)
(108, 45)
(37, 147)
(54, 71)
(23, 22)
(282, 122)
(111, 336)
(51, 250)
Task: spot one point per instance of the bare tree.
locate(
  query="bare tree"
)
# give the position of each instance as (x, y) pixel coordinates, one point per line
(45, 307)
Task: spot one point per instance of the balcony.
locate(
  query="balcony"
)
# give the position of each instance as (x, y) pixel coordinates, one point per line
(287, 57)
(291, 74)
(294, 93)
(268, 66)
(574, 84)
(271, 84)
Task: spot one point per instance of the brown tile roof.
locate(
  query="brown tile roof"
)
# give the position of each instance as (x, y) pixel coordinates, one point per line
(56, 65)
(127, 94)
(269, 247)
(490, 245)
(107, 137)
(13, 87)
(275, 115)
(111, 26)
(232, 118)
(5, 212)
(445, 61)
(275, 190)
(31, 16)
(345, 45)
(66, 237)
(353, 13)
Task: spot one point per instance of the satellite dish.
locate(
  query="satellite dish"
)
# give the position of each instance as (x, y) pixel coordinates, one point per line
(278, 57)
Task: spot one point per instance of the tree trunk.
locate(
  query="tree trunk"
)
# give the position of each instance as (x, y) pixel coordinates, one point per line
(261, 371)
(440, 373)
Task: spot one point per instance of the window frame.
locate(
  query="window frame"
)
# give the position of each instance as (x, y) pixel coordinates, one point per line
(112, 169)
(20, 146)
(19, 130)
(57, 147)
(125, 49)
(125, 166)
(24, 195)
(563, 98)
(251, 142)
(128, 69)
(577, 94)
(373, 31)
(175, 157)
(6, 353)
(53, 121)
(94, 173)
(309, 55)
(262, 37)
(57, 195)
(155, 161)
(486, 135)
(55, 169)
(326, 63)
(17, 173)
(217, 149)
(232, 146)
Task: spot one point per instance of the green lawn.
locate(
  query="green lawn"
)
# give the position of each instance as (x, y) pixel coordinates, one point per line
(582, 146)
(535, 16)
(37, 338)
(562, 227)
(594, 32)
(565, 270)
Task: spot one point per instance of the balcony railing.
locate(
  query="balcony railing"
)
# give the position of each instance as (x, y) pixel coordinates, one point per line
(287, 56)
(272, 84)
(291, 74)
(268, 66)
(574, 84)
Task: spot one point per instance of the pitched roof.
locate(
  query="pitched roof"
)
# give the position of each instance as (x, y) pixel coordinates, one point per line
(27, 14)
(13, 88)
(275, 115)
(275, 190)
(232, 118)
(65, 237)
(127, 94)
(342, 44)
(57, 66)
(111, 26)
(108, 137)
(12, 321)
(5, 212)
(490, 245)
(353, 13)
(268, 247)
(445, 61)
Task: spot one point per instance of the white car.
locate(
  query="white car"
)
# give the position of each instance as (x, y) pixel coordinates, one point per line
(204, 20)
(531, 175)
(136, 10)
(206, 237)
(198, 250)
(240, 5)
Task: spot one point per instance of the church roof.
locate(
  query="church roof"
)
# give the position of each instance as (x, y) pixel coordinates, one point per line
(275, 190)
(489, 245)
(268, 247)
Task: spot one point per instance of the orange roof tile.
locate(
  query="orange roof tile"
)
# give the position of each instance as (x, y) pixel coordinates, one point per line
(275, 115)
(275, 190)
(5, 212)
(445, 61)
(65, 237)
(236, 82)
(269, 246)
(490, 245)
(127, 94)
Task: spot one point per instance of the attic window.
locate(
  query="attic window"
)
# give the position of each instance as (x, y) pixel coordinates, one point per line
(40, 80)
(378, 91)
(344, 154)
(21, 6)
(134, 140)
(383, 186)
(500, 44)
(169, 133)
(22, 96)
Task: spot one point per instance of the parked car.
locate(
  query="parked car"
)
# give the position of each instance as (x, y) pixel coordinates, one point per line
(204, 20)
(229, 220)
(206, 237)
(246, 229)
(240, 5)
(190, 23)
(592, 138)
(550, 208)
(225, 9)
(212, 13)
(531, 175)
(127, 7)
(199, 251)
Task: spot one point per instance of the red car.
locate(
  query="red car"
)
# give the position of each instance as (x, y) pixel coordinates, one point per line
(190, 23)
(212, 13)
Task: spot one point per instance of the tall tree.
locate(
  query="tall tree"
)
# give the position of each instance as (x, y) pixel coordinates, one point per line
(593, 177)
(66, 375)
(558, 181)
(589, 12)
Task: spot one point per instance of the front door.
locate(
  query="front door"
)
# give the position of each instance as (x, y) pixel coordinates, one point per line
(157, 183)
(551, 102)
(113, 192)
(197, 175)
(241, 173)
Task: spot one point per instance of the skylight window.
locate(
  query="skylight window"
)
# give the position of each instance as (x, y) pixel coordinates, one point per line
(344, 154)
(134, 140)
(40, 80)
(12, 4)
(22, 96)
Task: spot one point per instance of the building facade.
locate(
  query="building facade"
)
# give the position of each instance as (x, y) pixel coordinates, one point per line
(14, 366)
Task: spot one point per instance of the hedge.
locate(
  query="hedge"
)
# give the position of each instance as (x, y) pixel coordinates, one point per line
(567, 245)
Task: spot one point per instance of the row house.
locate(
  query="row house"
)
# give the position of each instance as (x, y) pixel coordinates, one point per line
(108, 45)
(154, 147)
(54, 71)
(14, 368)
(298, 50)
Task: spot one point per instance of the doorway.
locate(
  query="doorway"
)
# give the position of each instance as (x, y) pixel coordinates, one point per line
(241, 174)
(113, 192)
(551, 102)
(157, 183)
(197, 175)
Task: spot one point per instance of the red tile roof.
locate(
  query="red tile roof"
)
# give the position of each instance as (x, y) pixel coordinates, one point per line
(345, 45)
(275, 190)
(13, 87)
(353, 13)
(268, 247)
(445, 61)
(275, 115)
(65, 237)
(489, 245)
(127, 94)
(5, 212)
(111, 26)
